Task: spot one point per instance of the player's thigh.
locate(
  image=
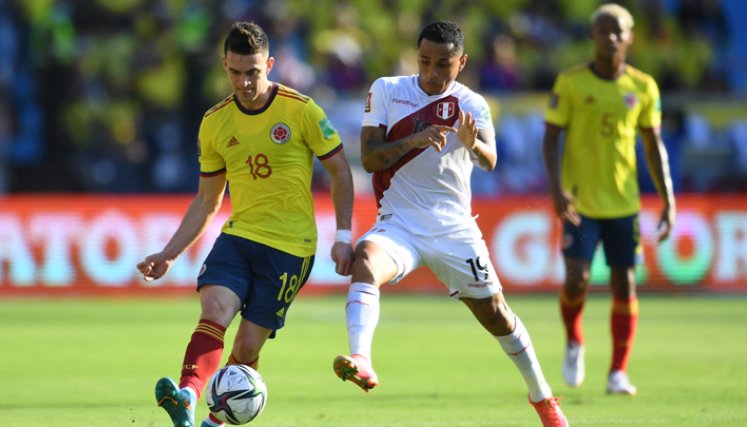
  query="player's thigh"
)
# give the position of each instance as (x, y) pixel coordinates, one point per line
(249, 340)
(621, 239)
(277, 277)
(622, 247)
(387, 253)
(373, 264)
(224, 279)
(580, 241)
(219, 304)
(461, 261)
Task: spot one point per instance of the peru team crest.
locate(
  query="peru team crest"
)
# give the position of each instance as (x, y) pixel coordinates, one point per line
(280, 133)
(445, 110)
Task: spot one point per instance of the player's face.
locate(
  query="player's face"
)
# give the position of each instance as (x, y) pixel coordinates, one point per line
(611, 36)
(438, 66)
(248, 75)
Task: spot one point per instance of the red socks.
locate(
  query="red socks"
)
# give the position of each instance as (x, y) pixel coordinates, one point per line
(203, 355)
(571, 309)
(623, 321)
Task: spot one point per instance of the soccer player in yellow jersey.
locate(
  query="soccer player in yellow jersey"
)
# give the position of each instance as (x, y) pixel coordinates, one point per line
(261, 141)
(599, 106)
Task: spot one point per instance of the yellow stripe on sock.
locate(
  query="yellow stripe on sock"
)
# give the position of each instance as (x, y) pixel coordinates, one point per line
(629, 307)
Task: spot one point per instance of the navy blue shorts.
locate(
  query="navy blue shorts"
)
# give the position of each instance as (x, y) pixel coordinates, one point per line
(620, 237)
(265, 279)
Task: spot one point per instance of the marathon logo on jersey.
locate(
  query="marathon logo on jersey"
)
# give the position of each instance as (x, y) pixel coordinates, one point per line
(232, 142)
(444, 110)
(327, 129)
(631, 100)
(368, 103)
(280, 133)
(404, 102)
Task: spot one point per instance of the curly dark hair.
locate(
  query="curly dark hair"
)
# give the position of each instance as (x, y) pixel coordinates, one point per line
(246, 38)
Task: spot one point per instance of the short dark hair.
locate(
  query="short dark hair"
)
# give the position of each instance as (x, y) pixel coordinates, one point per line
(443, 32)
(246, 38)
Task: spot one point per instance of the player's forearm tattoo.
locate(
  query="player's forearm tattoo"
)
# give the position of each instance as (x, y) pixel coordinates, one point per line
(379, 154)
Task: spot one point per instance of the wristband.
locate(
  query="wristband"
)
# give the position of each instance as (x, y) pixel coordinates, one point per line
(343, 236)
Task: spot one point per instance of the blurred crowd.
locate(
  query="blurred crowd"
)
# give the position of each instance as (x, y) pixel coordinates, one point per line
(107, 95)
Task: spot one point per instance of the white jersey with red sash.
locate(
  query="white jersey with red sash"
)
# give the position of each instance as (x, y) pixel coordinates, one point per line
(428, 192)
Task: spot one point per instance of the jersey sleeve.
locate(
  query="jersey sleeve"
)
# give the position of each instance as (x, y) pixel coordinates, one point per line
(210, 160)
(478, 106)
(651, 112)
(319, 133)
(559, 105)
(374, 114)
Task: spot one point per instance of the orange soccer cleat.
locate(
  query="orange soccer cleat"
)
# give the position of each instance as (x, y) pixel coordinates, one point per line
(550, 413)
(357, 369)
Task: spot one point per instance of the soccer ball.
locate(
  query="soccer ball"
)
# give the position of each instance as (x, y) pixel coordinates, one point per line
(236, 394)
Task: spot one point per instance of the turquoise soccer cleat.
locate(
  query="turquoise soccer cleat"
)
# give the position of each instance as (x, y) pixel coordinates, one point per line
(178, 403)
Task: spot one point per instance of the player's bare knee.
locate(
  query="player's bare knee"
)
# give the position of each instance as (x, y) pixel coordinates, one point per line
(576, 283)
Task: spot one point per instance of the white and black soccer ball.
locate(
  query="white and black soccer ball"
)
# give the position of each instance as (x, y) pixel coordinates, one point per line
(236, 394)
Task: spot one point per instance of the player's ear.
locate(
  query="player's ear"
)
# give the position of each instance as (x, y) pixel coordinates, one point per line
(270, 63)
(463, 61)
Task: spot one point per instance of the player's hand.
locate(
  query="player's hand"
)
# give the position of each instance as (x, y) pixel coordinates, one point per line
(467, 130)
(666, 222)
(564, 208)
(432, 136)
(342, 255)
(154, 266)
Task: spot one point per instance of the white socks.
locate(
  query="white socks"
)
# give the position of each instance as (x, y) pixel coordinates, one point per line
(518, 346)
(362, 315)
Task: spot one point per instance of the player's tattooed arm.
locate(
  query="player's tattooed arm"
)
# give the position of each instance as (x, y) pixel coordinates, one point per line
(377, 153)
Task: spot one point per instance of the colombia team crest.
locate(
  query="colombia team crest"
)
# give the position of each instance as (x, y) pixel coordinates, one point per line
(631, 100)
(280, 133)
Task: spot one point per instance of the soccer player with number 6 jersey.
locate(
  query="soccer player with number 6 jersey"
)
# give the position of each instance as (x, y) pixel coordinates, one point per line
(600, 106)
(261, 141)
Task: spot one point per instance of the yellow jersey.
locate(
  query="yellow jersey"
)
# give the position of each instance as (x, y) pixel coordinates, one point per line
(266, 155)
(600, 118)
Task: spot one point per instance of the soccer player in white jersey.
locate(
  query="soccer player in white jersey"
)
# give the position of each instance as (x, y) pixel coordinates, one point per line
(420, 138)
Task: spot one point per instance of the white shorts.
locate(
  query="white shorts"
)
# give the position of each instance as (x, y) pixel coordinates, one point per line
(460, 260)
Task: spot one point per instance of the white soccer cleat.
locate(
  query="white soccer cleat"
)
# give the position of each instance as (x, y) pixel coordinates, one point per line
(619, 383)
(574, 368)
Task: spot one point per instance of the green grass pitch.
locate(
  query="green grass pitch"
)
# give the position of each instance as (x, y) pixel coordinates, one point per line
(94, 362)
